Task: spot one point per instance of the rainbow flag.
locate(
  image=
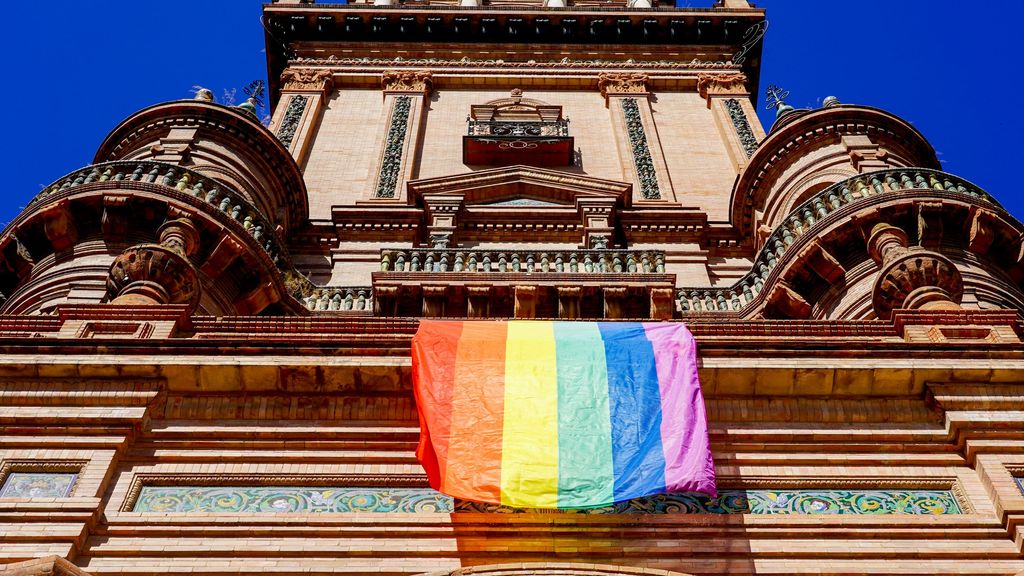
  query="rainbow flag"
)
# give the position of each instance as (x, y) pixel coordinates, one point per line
(541, 414)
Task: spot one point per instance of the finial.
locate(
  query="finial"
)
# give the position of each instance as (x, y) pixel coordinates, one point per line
(248, 106)
(830, 101)
(203, 94)
(777, 99)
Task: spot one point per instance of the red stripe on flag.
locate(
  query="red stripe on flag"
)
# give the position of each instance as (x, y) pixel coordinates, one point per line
(433, 373)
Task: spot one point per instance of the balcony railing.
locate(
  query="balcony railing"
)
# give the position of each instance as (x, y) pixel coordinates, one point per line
(182, 180)
(556, 128)
(524, 261)
(805, 219)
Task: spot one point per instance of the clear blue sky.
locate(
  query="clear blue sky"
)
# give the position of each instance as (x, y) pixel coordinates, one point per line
(949, 67)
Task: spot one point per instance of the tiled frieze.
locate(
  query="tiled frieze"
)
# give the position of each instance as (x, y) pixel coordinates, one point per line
(280, 499)
(289, 499)
(38, 485)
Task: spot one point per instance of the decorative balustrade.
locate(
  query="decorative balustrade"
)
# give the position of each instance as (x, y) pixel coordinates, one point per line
(344, 299)
(555, 128)
(186, 181)
(802, 220)
(525, 261)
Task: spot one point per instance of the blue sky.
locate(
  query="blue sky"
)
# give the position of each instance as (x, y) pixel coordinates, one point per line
(76, 69)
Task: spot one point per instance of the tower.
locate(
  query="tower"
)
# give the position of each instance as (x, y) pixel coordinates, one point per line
(204, 334)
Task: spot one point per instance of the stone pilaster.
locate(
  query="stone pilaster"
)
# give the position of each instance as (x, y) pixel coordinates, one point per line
(728, 99)
(405, 99)
(303, 94)
(643, 163)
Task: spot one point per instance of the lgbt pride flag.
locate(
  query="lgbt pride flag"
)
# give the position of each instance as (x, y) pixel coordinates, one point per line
(560, 414)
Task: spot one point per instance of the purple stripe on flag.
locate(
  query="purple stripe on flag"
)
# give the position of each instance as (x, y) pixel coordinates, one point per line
(684, 432)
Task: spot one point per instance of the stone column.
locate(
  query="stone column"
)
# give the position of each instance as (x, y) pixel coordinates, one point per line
(627, 97)
(303, 94)
(911, 277)
(405, 99)
(152, 274)
(728, 99)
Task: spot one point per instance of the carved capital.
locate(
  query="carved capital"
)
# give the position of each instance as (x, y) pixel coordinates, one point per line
(731, 83)
(407, 81)
(622, 83)
(153, 274)
(307, 80)
(917, 278)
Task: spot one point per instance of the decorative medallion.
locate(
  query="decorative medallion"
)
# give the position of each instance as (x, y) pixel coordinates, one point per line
(394, 145)
(642, 160)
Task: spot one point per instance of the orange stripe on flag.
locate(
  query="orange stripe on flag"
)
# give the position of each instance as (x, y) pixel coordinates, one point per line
(477, 414)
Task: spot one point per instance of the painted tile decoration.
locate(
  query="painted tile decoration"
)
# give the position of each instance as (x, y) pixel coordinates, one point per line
(1020, 482)
(931, 502)
(383, 500)
(38, 485)
(289, 499)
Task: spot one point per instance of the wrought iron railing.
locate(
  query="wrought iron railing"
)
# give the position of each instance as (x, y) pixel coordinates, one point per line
(168, 176)
(524, 261)
(803, 220)
(554, 128)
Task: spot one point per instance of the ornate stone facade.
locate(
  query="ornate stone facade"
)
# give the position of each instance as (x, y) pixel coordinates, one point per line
(204, 334)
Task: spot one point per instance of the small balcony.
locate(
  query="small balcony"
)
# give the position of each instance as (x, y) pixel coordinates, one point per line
(517, 131)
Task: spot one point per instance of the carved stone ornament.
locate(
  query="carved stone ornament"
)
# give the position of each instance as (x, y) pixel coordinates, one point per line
(911, 277)
(615, 83)
(408, 81)
(153, 274)
(729, 83)
(307, 80)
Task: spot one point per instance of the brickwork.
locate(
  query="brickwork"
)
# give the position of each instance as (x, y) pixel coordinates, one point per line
(210, 327)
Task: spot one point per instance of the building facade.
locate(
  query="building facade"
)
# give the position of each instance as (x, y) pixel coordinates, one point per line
(204, 334)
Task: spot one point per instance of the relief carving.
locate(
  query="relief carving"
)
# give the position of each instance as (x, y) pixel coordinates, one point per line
(420, 81)
(307, 79)
(615, 83)
(730, 83)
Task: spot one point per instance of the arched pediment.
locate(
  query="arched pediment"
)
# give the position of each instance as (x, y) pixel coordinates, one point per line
(518, 183)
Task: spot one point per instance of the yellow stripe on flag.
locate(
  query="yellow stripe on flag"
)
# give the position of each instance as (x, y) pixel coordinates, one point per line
(529, 463)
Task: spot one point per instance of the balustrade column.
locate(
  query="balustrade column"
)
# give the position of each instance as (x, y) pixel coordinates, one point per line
(636, 135)
(405, 98)
(303, 92)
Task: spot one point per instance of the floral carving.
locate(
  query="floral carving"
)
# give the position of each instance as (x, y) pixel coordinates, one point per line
(394, 145)
(742, 126)
(645, 172)
(730, 83)
(290, 123)
(612, 83)
(307, 79)
(419, 81)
